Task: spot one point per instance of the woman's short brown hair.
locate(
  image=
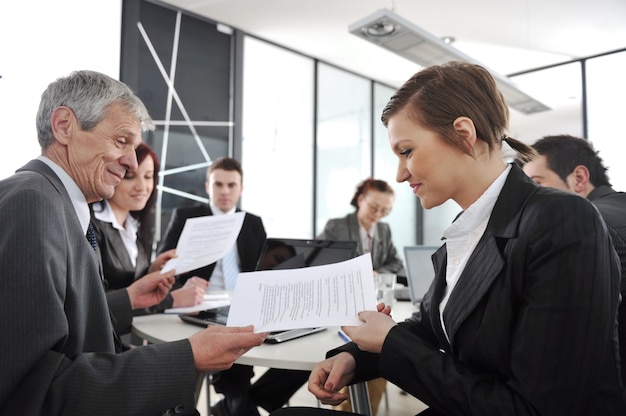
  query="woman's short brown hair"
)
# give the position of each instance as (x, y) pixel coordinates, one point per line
(438, 95)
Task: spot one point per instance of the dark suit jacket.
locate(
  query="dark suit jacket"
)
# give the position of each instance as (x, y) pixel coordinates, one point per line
(531, 319)
(385, 257)
(612, 207)
(117, 267)
(58, 353)
(249, 242)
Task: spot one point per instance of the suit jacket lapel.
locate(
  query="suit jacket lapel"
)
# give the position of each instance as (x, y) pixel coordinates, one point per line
(487, 261)
(353, 232)
(482, 268)
(378, 253)
(40, 167)
(439, 264)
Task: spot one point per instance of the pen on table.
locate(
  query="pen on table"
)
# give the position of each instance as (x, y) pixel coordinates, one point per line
(343, 336)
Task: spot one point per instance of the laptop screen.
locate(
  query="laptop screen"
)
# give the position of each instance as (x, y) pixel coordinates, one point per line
(420, 271)
(289, 253)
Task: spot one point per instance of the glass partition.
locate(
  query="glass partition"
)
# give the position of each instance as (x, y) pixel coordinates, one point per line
(343, 140)
(403, 219)
(606, 88)
(180, 67)
(560, 88)
(277, 143)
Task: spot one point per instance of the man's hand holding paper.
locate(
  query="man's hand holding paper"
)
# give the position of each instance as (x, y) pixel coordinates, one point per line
(327, 295)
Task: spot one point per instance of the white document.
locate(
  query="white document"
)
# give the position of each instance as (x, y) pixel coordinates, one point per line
(328, 295)
(211, 300)
(205, 240)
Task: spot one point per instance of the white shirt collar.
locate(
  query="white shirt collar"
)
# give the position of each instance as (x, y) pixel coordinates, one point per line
(107, 215)
(76, 195)
(216, 211)
(479, 211)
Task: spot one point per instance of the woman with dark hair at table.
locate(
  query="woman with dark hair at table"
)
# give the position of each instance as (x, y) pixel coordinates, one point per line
(373, 201)
(123, 226)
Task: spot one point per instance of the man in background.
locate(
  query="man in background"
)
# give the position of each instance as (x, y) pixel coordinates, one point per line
(224, 186)
(571, 164)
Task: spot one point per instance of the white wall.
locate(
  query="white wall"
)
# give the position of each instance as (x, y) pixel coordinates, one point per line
(40, 41)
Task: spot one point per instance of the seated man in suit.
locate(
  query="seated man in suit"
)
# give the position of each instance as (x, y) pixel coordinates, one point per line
(571, 164)
(224, 186)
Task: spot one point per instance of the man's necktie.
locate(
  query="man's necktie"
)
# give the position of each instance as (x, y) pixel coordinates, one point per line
(91, 237)
(230, 268)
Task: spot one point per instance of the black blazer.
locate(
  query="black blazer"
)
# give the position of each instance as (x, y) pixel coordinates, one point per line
(612, 207)
(117, 268)
(249, 242)
(532, 319)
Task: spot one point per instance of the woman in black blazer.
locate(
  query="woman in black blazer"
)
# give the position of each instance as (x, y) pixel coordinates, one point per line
(123, 231)
(521, 316)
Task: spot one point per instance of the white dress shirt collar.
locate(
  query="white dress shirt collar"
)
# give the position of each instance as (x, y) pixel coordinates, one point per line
(128, 231)
(76, 195)
(216, 211)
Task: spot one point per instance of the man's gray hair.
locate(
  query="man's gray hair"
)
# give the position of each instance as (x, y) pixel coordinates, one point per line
(87, 94)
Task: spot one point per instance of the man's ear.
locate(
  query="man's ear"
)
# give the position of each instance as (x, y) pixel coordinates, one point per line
(64, 123)
(464, 126)
(580, 180)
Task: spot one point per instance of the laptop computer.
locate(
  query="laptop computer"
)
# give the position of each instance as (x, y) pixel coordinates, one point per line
(420, 271)
(280, 254)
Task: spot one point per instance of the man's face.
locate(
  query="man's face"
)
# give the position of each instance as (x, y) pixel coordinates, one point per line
(224, 188)
(98, 159)
(541, 174)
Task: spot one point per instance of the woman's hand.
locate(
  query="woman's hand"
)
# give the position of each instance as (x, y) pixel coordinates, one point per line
(188, 296)
(161, 259)
(371, 335)
(150, 289)
(330, 376)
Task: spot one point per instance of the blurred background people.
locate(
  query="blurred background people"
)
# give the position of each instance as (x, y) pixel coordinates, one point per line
(224, 186)
(573, 165)
(373, 200)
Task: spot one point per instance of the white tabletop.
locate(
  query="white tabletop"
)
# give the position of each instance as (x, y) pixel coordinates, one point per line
(297, 354)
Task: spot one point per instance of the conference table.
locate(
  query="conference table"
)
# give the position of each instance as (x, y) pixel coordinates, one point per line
(297, 354)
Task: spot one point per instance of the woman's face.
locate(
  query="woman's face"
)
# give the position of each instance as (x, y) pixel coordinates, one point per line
(433, 168)
(133, 192)
(373, 206)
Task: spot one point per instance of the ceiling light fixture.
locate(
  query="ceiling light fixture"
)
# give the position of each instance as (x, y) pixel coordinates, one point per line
(396, 34)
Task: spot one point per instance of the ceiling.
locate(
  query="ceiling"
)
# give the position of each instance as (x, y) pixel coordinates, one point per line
(508, 36)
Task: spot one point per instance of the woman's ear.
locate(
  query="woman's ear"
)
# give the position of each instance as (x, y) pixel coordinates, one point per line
(464, 127)
(359, 199)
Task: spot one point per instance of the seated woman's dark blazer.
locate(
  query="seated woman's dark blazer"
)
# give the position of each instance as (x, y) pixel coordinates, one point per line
(117, 268)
